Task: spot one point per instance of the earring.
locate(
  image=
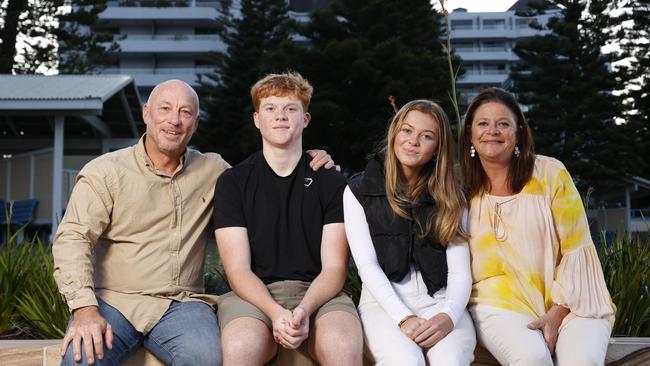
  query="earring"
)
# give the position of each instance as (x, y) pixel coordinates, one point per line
(472, 151)
(517, 152)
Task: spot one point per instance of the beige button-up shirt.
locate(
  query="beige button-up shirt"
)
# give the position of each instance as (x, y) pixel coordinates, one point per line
(135, 236)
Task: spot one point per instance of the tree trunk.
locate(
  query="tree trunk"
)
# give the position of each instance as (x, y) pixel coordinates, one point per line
(8, 35)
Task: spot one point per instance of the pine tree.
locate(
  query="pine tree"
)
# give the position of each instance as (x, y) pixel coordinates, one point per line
(55, 35)
(254, 35)
(84, 50)
(359, 55)
(32, 21)
(635, 73)
(566, 83)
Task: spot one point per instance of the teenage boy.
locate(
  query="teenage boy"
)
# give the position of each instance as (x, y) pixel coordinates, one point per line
(281, 238)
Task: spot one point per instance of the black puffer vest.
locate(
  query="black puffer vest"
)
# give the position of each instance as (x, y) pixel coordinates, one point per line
(397, 241)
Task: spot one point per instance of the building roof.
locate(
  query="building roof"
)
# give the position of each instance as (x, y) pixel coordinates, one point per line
(522, 5)
(38, 91)
(95, 107)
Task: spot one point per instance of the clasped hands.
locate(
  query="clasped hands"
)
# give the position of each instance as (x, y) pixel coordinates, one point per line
(291, 328)
(427, 332)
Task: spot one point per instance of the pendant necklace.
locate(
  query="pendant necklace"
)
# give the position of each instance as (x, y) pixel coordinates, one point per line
(496, 219)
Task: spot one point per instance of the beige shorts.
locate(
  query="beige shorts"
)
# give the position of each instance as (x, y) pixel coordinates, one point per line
(286, 293)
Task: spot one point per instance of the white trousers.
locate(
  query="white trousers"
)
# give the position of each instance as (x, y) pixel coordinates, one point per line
(581, 341)
(389, 346)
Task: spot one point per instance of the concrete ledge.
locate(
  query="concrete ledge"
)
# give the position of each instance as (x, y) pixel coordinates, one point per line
(628, 351)
(622, 351)
(46, 353)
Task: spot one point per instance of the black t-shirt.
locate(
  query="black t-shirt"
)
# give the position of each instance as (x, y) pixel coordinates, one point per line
(284, 216)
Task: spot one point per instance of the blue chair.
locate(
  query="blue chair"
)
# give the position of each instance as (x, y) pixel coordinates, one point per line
(20, 213)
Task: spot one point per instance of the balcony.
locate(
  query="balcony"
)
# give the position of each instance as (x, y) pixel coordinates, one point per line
(171, 44)
(503, 33)
(493, 77)
(152, 77)
(162, 3)
(202, 14)
(486, 54)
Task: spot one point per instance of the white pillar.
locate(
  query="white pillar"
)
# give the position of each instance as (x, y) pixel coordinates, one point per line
(8, 179)
(57, 172)
(32, 173)
(628, 212)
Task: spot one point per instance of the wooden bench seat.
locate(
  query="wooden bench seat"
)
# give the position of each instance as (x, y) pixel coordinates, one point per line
(622, 351)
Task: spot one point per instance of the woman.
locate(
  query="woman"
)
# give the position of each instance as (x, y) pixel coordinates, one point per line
(401, 216)
(538, 286)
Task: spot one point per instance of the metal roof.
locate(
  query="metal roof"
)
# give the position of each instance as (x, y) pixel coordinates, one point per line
(95, 107)
(523, 5)
(41, 92)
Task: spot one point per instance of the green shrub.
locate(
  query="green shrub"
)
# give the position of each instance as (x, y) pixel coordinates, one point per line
(14, 268)
(626, 266)
(215, 280)
(29, 299)
(352, 285)
(40, 306)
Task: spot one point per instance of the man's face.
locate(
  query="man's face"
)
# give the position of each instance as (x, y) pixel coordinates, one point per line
(281, 120)
(171, 116)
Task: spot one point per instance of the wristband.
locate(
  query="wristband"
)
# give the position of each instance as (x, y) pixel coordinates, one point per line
(405, 319)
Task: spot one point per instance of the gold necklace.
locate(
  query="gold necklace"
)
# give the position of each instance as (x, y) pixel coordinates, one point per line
(496, 219)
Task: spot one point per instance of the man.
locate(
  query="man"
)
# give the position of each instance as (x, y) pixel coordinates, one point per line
(130, 250)
(280, 233)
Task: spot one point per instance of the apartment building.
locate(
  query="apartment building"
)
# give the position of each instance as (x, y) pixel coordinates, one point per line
(161, 40)
(170, 39)
(485, 42)
(165, 39)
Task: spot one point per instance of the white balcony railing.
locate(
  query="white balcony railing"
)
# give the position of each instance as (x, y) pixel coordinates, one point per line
(172, 37)
(149, 78)
(182, 44)
(494, 72)
(485, 72)
(159, 70)
(162, 4)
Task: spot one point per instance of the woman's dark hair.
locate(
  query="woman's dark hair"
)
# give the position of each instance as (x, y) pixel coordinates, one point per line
(521, 167)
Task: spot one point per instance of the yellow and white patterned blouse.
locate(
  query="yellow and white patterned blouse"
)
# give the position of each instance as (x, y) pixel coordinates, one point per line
(534, 249)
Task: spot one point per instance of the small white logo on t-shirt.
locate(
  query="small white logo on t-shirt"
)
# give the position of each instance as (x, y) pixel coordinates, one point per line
(308, 182)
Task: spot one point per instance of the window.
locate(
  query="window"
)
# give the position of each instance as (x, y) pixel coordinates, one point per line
(494, 24)
(463, 46)
(494, 69)
(465, 24)
(493, 46)
(523, 23)
(471, 68)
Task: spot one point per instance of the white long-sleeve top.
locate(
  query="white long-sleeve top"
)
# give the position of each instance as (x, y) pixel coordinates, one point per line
(459, 279)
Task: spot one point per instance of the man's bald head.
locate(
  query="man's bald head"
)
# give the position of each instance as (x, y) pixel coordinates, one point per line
(176, 86)
(172, 116)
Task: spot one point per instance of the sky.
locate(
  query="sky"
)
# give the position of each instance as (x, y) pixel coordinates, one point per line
(476, 5)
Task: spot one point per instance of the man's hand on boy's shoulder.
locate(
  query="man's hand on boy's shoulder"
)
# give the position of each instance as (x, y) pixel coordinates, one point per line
(321, 159)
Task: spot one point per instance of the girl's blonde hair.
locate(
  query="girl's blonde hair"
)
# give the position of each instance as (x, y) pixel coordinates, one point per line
(438, 177)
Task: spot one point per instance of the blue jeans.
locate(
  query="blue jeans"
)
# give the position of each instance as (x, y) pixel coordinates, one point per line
(187, 334)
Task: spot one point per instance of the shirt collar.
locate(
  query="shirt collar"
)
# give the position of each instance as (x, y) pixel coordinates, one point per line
(141, 152)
